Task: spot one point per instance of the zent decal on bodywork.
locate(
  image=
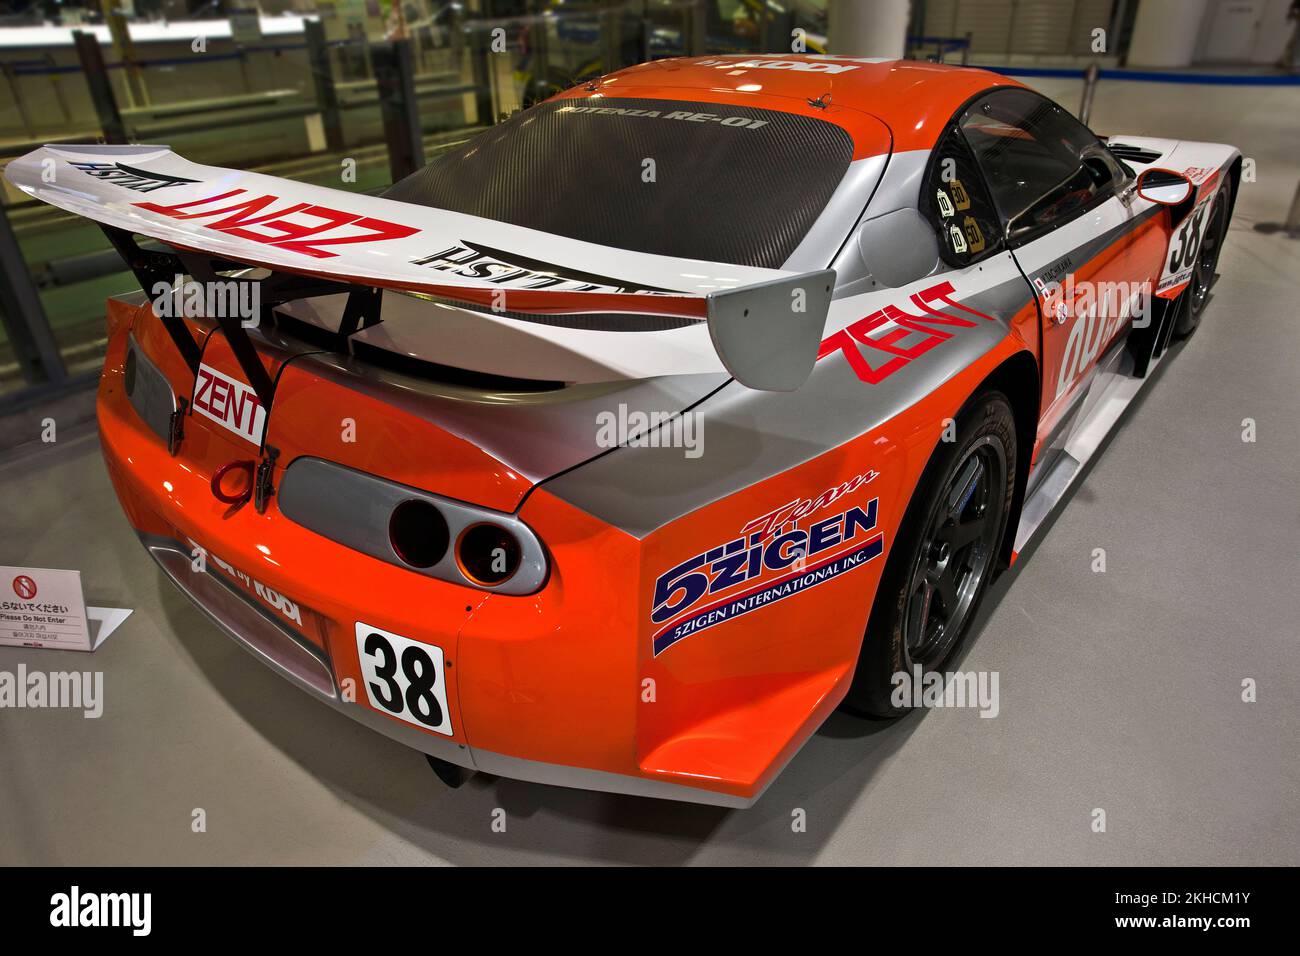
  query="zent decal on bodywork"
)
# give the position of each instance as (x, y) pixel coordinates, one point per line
(792, 559)
(230, 403)
(301, 227)
(892, 325)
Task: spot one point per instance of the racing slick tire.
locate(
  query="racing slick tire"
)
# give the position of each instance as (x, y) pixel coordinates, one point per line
(945, 555)
(1197, 296)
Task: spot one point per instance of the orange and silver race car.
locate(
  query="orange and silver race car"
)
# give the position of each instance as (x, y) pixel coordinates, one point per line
(623, 442)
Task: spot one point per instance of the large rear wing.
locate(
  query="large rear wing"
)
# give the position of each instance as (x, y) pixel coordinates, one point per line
(764, 324)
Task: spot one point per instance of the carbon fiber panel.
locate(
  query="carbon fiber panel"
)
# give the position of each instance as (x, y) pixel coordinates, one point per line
(743, 187)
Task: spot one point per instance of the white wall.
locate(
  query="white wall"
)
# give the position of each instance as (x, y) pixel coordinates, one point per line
(1258, 120)
(1029, 30)
(1269, 30)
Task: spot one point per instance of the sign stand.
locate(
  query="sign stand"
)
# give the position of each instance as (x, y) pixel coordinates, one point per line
(44, 607)
(107, 620)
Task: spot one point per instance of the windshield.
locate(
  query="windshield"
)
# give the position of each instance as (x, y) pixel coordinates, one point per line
(693, 180)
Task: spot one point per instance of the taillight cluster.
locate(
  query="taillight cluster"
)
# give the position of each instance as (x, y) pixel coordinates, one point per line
(426, 533)
(487, 554)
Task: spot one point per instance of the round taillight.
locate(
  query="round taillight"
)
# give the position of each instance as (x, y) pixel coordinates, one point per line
(488, 554)
(418, 533)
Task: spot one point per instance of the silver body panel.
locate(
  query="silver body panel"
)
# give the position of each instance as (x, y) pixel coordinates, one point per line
(354, 508)
(750, 436)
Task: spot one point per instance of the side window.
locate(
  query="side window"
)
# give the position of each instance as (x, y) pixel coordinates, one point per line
(957, 205)
(1042, 165)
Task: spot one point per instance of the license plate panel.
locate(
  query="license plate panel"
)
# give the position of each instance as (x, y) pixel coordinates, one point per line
(403, 678)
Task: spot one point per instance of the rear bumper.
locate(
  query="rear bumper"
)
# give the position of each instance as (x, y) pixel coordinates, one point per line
(298, 661)
(514, 683)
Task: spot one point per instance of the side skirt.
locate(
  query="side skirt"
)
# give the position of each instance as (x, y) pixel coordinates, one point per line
(1113, 387)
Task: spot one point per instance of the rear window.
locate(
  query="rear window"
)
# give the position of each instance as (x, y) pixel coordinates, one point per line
(696, 180)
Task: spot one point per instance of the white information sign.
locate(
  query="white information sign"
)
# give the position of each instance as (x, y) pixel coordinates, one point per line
(41, 607)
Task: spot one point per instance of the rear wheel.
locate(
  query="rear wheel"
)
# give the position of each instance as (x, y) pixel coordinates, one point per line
(1197, 295)
(944, 557)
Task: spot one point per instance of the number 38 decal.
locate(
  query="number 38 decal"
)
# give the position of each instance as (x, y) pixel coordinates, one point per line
(1182, 251)
(404, 678)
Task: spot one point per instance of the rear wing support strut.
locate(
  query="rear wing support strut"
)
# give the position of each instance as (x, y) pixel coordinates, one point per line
(200, 268)
(152, 269)
(156, 271)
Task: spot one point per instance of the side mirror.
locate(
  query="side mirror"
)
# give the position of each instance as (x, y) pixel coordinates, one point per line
(1164, 187)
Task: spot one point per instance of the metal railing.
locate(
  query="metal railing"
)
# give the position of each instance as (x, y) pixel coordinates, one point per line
(395, 91)
(369, 77)
(941, 47)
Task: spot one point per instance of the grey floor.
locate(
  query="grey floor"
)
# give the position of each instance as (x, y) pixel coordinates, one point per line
(1119, 690)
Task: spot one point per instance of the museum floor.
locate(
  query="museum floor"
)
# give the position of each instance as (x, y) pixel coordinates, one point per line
(1119, 690)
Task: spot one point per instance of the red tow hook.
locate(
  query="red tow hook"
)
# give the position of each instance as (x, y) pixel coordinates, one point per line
(244, 491)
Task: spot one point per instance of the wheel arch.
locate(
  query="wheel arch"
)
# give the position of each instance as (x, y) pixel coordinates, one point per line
(1018, 379)
(1234, 176)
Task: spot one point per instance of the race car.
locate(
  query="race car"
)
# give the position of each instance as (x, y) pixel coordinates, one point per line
(622, 443)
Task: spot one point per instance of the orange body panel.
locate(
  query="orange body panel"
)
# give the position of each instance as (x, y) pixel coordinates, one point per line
(1132, 260)
(311, 415)
(913, 99)
(566, 676)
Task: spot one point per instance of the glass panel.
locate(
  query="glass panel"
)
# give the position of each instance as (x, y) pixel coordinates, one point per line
(1032, 155)
(238, 96)
(958, 206)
